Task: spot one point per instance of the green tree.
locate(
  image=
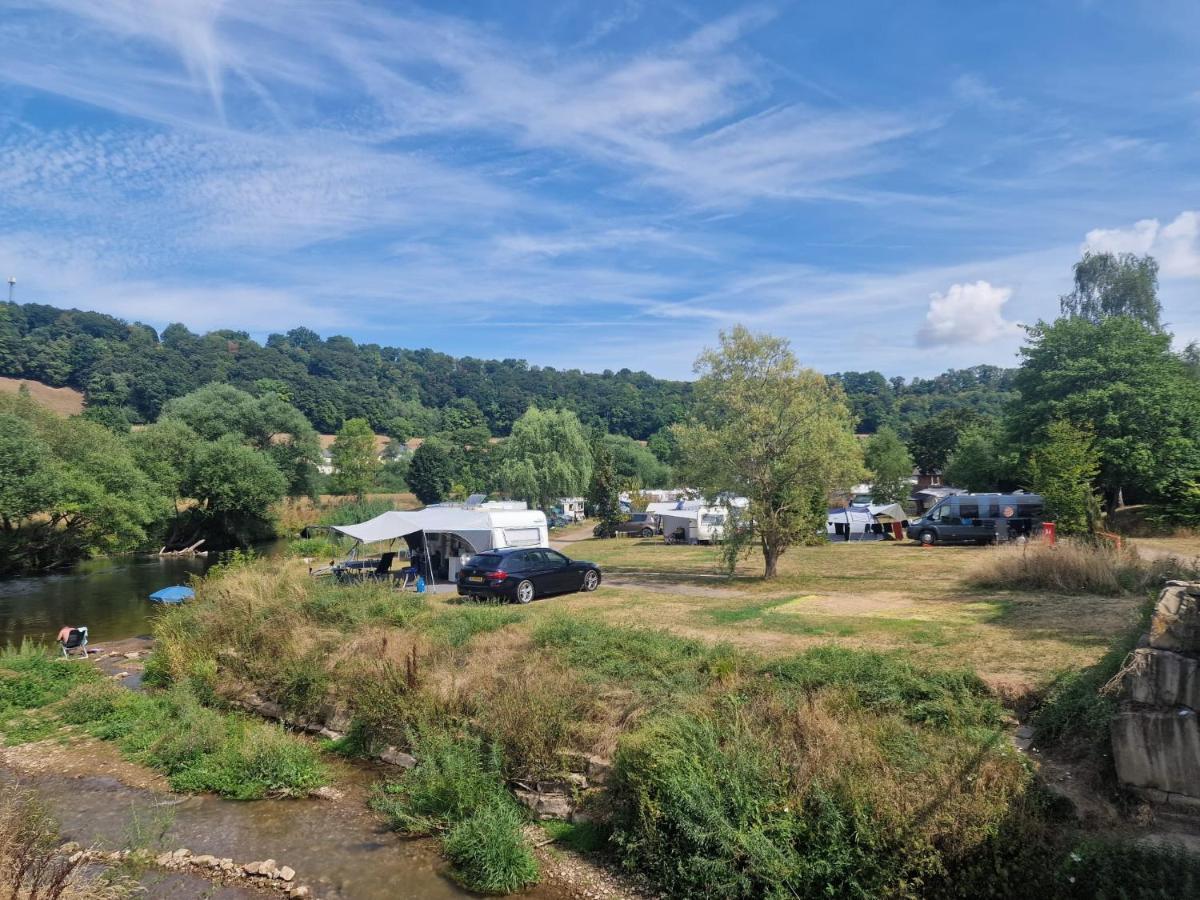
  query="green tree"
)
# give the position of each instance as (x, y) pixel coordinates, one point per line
(1062, 469)
(977, 463)
(890, 466)
(934, 439)
(546, 457)
(28, 476)
(636, 466)
(233, 486)
(267, 423)
(429, 473)
(1121, 377)
(604, 494)
(771, 431)
(70, 489)
(355, 461)
(664, 445)
(1108, 285)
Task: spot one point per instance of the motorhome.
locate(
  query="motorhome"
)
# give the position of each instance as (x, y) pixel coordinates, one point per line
(980, 519)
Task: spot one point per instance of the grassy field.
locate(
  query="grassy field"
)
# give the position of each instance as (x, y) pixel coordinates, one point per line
(879, 595)
(64, 401)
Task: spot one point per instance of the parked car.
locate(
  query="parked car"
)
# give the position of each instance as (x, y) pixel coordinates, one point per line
(980, 519)
(643, 524)
(522, 573)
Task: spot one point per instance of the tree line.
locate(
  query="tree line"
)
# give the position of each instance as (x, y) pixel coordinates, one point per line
(128, 372)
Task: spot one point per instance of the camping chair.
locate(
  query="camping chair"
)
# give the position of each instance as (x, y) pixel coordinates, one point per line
(384, 566)
(76, 640)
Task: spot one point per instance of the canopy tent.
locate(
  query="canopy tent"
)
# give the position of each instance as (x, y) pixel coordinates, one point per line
(888, 512)
(478, 529)
(863, 523)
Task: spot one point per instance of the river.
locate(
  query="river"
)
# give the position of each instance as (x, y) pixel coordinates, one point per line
(108, 595)
(342, 850)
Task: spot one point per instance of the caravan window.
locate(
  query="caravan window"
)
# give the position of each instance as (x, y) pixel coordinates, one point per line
(713, 519)
(522, 537)
(968, 509)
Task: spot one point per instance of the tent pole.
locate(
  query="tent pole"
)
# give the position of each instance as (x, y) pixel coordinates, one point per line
(428, 560)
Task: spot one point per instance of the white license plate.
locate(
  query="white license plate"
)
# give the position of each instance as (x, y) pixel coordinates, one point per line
(478, 578)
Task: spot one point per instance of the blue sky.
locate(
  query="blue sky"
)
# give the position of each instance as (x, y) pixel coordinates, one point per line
(600, 185)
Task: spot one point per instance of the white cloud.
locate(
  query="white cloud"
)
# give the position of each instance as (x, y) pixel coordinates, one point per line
(967, 313)
(1175, 245)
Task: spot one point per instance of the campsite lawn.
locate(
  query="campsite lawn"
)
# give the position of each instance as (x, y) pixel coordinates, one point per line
(869, 595)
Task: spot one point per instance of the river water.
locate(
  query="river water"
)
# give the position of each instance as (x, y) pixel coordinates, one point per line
(341, 849)
(110, 596)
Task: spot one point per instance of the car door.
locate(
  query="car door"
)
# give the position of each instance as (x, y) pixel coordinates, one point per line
(561, 573)
(972, 515)
(537, 571)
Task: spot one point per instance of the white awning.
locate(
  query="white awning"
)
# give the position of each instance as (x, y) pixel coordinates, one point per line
(888, 512)
(474, 525)
(395, 524)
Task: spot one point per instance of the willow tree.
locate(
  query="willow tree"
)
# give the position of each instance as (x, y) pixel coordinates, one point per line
(766, 428)
(547, 457)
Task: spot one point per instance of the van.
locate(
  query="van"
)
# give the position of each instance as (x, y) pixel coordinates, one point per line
(980, 519)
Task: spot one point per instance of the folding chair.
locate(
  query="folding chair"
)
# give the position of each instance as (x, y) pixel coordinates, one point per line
(76, 640)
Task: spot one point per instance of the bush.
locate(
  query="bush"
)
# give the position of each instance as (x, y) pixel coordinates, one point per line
(778, 792)
(1077, 566)
(316, 547)
(90, 702)
(453, 777)
(488, 850)
(1112, 869)
(255, 760)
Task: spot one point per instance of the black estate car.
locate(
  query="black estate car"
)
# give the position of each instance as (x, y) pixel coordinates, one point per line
(522, 573)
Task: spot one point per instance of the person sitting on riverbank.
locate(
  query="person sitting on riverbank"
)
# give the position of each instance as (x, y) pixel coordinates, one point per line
(73, 639)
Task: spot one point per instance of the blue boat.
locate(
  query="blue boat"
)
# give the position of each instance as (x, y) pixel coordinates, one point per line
(174, 594)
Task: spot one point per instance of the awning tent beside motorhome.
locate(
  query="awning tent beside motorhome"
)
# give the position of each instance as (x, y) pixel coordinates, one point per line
(483, 529)
(451, 534)
(863, 523)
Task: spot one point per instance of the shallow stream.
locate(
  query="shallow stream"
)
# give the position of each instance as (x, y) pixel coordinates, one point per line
(339, 848)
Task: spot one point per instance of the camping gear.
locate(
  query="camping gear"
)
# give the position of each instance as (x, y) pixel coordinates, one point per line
(174, 594)
(437, 534)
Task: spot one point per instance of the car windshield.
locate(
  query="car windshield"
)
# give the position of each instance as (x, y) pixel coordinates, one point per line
(484, 561)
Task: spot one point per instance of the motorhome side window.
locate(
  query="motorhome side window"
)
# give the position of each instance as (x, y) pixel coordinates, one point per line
(968, 510)
(1030, 510)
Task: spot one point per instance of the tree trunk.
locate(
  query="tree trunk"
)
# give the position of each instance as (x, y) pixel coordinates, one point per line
(771, 555)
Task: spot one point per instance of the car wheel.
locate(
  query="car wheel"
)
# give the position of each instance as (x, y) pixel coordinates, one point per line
(928, 538)
(647, 532)
(524, 591)
(591, 580)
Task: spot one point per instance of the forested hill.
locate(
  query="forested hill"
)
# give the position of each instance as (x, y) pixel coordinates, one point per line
(119, 365)
(127, 371)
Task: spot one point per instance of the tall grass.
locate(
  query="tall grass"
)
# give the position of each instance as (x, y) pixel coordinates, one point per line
(457, 790)
(198, 748)
(1077, 566)
(31, 865)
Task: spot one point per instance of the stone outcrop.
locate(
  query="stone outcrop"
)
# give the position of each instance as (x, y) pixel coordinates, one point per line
(1156, 730)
